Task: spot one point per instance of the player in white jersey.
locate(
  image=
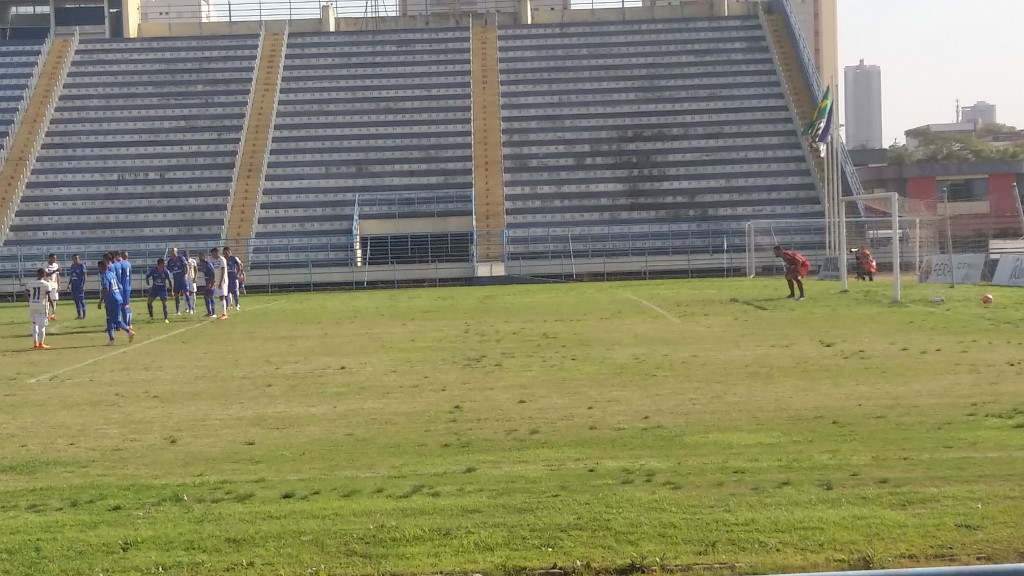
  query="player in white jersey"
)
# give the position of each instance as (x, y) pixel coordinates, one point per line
(53, 277)
(220, 291)
(191, 273)
(39, 301)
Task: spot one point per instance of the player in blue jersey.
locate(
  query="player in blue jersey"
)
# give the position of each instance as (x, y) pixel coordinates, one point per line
(125, 280)
(176, 266)
(161, 279)
(112, 301)
(235, 274)
(210, 278)
(76, 285)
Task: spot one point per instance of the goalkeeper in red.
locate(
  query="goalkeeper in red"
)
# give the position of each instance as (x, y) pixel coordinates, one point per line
(796, 268)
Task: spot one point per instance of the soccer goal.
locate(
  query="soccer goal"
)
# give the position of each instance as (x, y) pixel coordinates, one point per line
(894, 243)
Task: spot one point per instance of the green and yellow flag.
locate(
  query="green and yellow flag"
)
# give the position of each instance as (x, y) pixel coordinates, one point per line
(821, 115)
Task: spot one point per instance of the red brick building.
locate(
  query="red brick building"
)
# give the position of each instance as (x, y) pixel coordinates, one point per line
(981, 194)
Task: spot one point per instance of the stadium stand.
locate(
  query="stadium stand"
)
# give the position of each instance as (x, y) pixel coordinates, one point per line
(142, 145)
(20, 60)
(625, 140)
(642, 138)
(368, 114)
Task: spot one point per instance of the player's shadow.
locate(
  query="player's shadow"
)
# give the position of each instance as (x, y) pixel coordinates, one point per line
(56, 334)
(757, 303)
(20, 350)
(75, 332)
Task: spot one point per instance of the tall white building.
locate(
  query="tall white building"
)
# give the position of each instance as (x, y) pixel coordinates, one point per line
(863, 105)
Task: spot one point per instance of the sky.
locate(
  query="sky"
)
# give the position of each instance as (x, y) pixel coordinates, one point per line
(934, 51)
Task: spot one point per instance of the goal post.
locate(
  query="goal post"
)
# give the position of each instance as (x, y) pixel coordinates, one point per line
(894, 213)
(919, 237)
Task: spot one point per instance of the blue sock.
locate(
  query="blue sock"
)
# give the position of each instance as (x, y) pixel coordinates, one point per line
(177, 303)
(165, 309)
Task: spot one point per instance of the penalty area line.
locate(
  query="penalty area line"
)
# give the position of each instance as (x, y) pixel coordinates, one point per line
(137, 346)
(656, 308)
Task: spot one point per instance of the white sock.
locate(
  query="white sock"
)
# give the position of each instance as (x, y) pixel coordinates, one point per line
(35, 333)
(42, 334)
(224, 305)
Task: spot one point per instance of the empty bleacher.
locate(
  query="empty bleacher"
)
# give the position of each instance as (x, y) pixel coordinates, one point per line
(18, 60)
(372, 113)
(142, 144)
(640, 138)
(629, 140)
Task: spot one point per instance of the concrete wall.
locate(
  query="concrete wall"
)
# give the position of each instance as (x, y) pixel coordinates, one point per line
(171, 29)
(384, 226)
(708, 8)
(448, 15)
(819, 22)
(1000, 194)
(440, 20)
(131, 14)
(685, 9)
(432, 7)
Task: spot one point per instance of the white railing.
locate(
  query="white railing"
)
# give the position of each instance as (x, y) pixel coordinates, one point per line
(40, 135)
(25, 95)
(245, 128)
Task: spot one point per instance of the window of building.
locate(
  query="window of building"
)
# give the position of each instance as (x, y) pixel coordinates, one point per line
(967, 189)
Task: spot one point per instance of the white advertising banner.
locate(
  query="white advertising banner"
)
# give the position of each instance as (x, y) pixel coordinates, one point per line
(1010, 271)
(964, 269)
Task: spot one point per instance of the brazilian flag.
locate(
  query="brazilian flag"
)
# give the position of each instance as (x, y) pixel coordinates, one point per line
(821, 115)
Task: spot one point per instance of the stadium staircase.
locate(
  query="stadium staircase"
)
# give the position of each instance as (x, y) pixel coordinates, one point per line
(28, 137)
(804, 104)
(488, 179)
(255, 149)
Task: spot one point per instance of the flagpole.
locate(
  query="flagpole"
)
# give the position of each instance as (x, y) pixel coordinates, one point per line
(837, 205)
(832, 194)
(818, 138)
(843, 272)
(826, 195)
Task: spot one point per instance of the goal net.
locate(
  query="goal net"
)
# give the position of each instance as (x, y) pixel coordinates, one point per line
(819, 241)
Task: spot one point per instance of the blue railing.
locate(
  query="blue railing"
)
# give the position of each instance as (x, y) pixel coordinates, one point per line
(850, 180)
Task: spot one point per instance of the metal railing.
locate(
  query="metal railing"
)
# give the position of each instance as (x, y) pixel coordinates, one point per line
(817, 91)
(379, 205)
(25, 96)
(39, 136)
(788, 90)
(678, 250)
(263, 10)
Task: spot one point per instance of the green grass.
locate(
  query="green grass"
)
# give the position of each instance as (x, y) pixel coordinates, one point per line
(500, 429)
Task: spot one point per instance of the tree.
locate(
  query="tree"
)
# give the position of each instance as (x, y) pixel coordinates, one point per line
(990, 130)
(900, 155)
(954, 147)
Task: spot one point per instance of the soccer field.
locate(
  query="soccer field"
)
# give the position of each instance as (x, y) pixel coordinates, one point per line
(615, 425)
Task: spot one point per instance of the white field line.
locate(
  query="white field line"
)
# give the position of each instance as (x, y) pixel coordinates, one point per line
(656, 308)
(137, 346)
